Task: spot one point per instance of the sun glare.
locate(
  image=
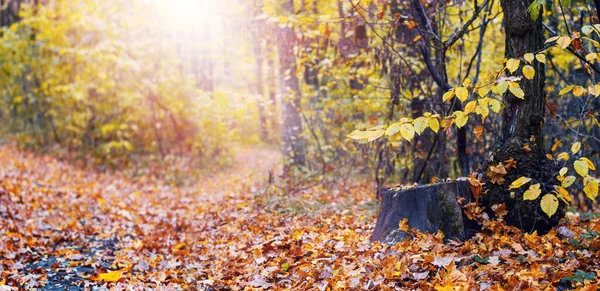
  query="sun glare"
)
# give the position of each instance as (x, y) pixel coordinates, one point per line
(189, 14)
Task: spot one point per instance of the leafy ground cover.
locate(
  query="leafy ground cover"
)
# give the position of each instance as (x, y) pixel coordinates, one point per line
(66, 228)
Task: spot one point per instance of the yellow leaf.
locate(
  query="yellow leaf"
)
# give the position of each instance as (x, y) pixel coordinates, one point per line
(594, 90)
(540, 58)
(517, 92)
(17, 100)
(467, 82)
(403, 225)
(181, 245)
(500, 88)
(568, 181)
(578, 91)
(581, 167)
(434, 124)
(529, 57)
(552, 39)
(374, 134)
(448, 286)
(563, 171)
(393, 129)
(461, 118)
(420, 124)
(556, 145)
(482, 110)
(533, 192)
(512, 65)
(519, 182)
(470, 107)
(407, 131)
(591, 57)
(495, 105)
(528, 72)
(297, 234)
(563, 156)
(462, 93)
(447, 122)
(589, 163)
(549, 204)
(590, 187)
(563, 194)
(575, 147)
(563, 41)
(358, 134)
(448, 95)
(483, 91)
(113, 276)
(566, 90)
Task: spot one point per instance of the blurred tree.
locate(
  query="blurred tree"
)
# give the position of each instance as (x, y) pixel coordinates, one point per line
(293, 138)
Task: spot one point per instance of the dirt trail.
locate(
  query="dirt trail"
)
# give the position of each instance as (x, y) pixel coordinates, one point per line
(62, 225)
(250, 165)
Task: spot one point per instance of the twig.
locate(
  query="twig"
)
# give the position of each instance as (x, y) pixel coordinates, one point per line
(572, 51)
(455, 37)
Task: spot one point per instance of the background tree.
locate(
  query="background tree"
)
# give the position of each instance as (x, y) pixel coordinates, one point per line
(293, 139)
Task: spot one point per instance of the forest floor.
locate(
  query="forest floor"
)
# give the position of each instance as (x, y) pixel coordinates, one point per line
(65, 228)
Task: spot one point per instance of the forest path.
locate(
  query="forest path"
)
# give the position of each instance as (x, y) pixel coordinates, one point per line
(250, 165)
(63, 225)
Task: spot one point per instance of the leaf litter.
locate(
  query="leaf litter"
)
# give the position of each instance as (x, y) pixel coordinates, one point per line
(67, 228)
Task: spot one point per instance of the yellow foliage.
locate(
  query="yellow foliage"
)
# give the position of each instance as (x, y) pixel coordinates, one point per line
(519, 182)
(532, 193)
(112, 276)
(549, 204)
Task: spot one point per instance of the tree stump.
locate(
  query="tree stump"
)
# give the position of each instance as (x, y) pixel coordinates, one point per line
(428, 208)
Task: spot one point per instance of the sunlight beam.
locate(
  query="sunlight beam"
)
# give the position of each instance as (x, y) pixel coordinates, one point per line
(181, 15)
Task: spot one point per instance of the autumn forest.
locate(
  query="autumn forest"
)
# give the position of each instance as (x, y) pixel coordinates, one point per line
(299, 145)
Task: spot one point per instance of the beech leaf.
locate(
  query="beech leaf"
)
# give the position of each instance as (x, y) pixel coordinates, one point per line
(532, 193)
(549, 204)
(519, 182)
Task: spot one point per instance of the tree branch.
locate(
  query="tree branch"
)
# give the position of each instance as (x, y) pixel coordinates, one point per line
(432, 70)
(455, 37)
(574, 52)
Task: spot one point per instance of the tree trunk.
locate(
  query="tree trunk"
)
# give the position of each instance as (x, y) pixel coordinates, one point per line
(293, 141)
(361, 42)
(258, 70)
(522, 135)
(9, 13)
(271, 84)
(428, 209)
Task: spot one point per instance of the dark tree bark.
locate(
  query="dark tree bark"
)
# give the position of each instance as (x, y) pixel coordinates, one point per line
(597, 4)
(522, 135)
(428, 208)
(293, 141)
(9, 13)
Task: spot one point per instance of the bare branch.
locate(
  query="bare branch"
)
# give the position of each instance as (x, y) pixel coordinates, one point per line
(455, 37)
